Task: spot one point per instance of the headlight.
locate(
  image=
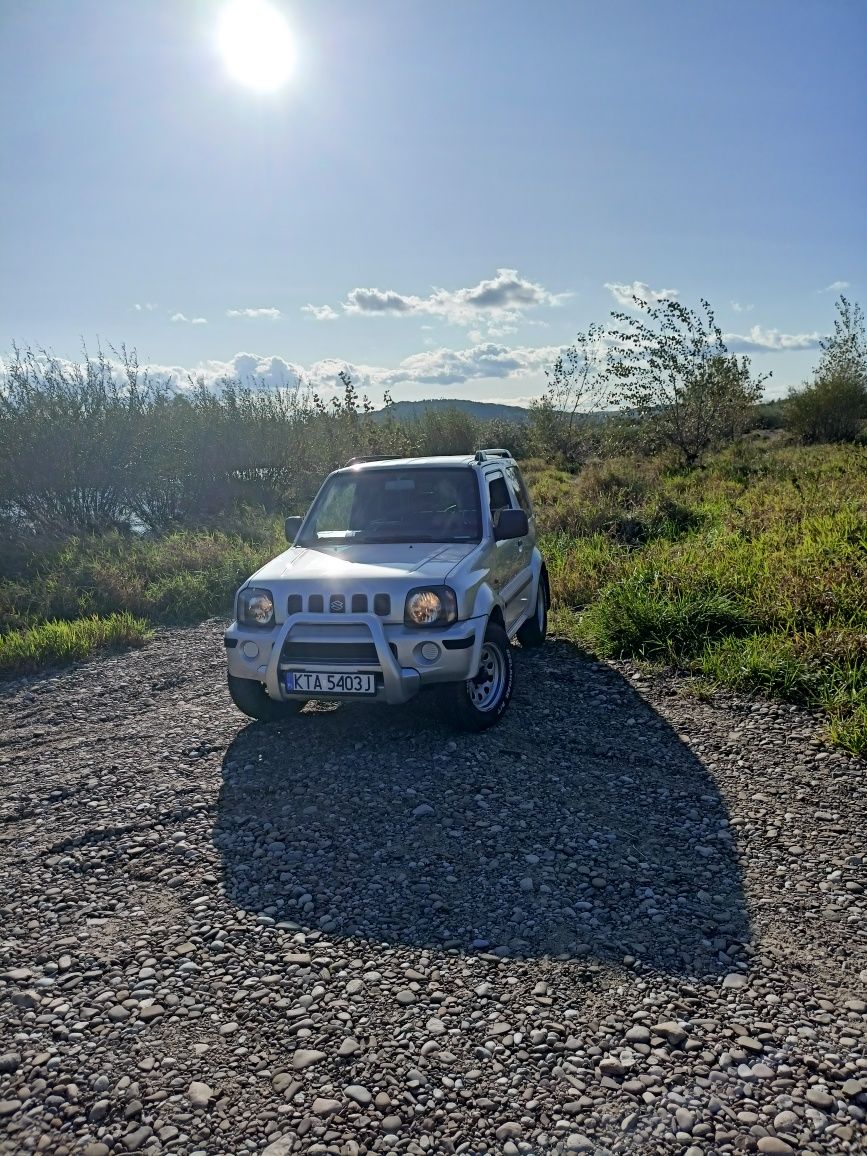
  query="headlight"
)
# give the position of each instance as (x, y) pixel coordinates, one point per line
(255, 607)
(430, 606)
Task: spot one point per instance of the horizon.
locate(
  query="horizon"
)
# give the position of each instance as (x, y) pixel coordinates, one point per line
(437, 200)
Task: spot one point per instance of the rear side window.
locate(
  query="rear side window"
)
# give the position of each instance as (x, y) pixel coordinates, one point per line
(498, 494)
(519, 490)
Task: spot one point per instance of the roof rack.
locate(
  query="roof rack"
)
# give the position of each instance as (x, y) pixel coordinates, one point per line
(492, 453)
(369, 458)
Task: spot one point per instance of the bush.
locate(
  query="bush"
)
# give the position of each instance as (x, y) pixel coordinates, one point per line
(832, 409)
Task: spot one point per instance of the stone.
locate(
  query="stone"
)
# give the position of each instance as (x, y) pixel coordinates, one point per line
(405, 997)
(199, 1094)
(359, 1093)
(306, 1058)
(152, 1012)
(763, 1071)
(774, 1146)
(10, 1062)
(820, 1098)
(9, 1107)
(609, 1066)
(785, 1121)
(133, 1141)
(281, 1147)
(510, 1130)
(578, 1142)
(391, 1124)
(735, 979)
(324, 1106)
(348, 1047)
(852, 1088)
(670, 1031)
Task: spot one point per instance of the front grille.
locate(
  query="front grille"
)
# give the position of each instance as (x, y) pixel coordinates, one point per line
(339, 604)
(330, 652)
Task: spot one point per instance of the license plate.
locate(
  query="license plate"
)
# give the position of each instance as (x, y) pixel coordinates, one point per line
(329, 682)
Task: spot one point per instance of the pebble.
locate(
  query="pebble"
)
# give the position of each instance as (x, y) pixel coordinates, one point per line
(774, 1146)
(359, 1093)
(324, 1106)
(231, 947)
(671, 1031)
(820, 1098)
(199, 1094)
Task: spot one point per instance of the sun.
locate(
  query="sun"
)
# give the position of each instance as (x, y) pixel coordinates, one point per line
(256, 44)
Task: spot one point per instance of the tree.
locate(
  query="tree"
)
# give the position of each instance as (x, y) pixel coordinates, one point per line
(845, 351)
(562, 421)
(832, 407)
(669, 366)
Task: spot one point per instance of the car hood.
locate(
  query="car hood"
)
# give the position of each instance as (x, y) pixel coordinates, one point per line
(352, 563)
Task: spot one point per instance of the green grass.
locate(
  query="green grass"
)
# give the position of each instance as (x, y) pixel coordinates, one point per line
(749, 573)
(61, 601)
(59, 643)
(183, 577)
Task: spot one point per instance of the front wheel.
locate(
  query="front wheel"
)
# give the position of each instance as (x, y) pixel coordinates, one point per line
(251, 698)
(480, 702)
(535, 629)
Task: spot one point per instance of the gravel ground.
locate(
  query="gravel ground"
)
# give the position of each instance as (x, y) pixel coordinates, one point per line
(624, 920)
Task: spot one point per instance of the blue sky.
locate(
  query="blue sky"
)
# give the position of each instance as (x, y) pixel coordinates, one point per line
(441, 195)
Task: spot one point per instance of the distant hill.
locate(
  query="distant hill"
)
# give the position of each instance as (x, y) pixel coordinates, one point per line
(481, 410)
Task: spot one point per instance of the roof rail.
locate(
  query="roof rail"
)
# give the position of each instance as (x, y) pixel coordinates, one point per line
(492, 453)
(370, 458)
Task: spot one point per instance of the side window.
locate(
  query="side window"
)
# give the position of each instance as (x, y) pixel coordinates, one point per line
(519, 490)
(498, 495)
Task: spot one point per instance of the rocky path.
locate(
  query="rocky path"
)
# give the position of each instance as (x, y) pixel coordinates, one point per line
(622, 921)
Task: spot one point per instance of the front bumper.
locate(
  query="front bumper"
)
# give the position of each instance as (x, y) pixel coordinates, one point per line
(399, 665)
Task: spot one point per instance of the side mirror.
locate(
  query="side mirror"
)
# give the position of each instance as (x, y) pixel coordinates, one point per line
(291, 527)
(511, 524)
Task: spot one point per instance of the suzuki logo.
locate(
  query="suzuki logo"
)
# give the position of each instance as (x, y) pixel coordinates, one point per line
(337, 605)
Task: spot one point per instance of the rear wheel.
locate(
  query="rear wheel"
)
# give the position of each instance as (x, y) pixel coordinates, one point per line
(251, 698)
(480, 702)
(535, 629)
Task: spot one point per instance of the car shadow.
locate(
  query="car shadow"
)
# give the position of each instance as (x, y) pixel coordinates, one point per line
(581, 825)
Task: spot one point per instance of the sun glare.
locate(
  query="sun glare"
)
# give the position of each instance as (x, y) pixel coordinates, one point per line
(256, 44)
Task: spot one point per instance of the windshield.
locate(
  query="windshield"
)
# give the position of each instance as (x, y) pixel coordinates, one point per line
(413, 505)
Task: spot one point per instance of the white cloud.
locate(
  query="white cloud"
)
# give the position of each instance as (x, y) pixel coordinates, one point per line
(148, 306)
(499, 300)
(739, 308)
(271, 313)
(320, 312)
(189, 320)
(454, 366)
(760, 340)
(624, 294)
(834, 287)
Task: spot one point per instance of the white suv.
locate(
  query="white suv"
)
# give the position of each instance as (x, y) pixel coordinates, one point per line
(405, 573)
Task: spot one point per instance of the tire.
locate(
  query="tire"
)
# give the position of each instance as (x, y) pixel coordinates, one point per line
(251, 699)
(480, 702)
(535, 629)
